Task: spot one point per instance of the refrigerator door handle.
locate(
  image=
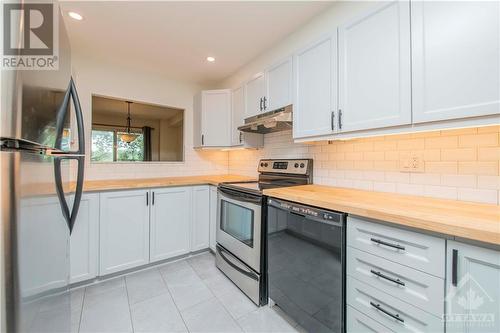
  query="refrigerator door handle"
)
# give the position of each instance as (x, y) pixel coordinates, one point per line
(72, 94)
(78, 155)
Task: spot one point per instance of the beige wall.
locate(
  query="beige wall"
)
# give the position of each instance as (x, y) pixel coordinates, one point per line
(127, 83)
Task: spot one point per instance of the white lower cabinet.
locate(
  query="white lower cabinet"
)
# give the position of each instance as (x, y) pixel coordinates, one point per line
(389, 311)
(42, 251)
(124, 230)
(473, 289)
(395, 277)
(84, 240)
(170, 218)
(213, 217)
(200, 224)
(360, 323)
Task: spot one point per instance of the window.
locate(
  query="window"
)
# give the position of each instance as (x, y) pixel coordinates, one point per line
(107, 146)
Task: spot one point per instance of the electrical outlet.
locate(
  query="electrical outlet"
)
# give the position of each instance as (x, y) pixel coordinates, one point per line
(411, 161)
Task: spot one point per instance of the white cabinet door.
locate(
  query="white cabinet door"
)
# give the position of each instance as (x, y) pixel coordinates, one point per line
(374, 69)
(255, 91)
(315, 91)
(170, 218)
(200, 225)
(237, 115)
(42, 252)
(213, 217)
(216, 118)
(84, 240)
(473, 289)
(455, 54)
(279, 85)
(124, 230)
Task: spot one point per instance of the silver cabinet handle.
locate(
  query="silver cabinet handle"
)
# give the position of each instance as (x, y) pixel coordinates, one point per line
(388, 278)
(260, 104)
(333, 120)
(340, 118)
(381, 242)
(392, 315)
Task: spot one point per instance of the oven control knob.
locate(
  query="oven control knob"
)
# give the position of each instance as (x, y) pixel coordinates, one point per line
(296, 165)
(302, 165)
(265, 164)
(261, 164)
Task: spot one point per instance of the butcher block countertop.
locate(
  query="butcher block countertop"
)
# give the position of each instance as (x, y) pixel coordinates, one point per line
(41, 189)
(122, 184)
(480, 222)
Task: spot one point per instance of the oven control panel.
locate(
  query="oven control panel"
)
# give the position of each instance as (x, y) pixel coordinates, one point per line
(292, 166)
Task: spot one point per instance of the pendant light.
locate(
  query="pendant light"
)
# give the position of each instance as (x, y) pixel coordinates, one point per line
(128, 137)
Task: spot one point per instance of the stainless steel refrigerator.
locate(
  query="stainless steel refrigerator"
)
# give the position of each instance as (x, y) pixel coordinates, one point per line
(42, 169)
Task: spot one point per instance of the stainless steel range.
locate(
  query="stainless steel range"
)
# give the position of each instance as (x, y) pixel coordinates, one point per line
(241, 215)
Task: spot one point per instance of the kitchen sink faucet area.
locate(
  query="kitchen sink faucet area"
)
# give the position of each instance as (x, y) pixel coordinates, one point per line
(250, 166)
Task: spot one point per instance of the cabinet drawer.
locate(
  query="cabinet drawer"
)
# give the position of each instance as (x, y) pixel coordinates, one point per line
(423, 252)
(389, 311)
(414, 287)
(361, 323)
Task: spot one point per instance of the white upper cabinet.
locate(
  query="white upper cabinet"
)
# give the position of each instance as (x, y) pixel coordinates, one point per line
(170, 218)
(455, 54)
(472, 289)
(279, 85)
(124, 230)
(255, 92)
(200, 224)
(84, 240)
(315, 91)
(212, 118)
(238, 138)
(374, 69)
(237, 115)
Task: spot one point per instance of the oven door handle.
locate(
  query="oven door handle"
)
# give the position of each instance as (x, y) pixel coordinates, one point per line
(251, 275)
(239, 196)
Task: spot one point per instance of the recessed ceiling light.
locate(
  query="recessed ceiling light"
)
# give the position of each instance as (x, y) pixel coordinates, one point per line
(75, 15)
(210, 59)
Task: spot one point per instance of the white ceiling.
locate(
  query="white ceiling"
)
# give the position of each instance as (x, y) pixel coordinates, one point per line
(174, 38)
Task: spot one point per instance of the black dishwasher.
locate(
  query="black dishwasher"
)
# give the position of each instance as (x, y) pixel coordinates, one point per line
(306, 264)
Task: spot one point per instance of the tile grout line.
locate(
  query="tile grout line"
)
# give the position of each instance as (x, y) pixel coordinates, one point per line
(217, 298)
(173, 300)
(81, 310)
(128, 302)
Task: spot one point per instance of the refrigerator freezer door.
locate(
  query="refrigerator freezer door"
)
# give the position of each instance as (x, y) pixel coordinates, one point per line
(36, 232)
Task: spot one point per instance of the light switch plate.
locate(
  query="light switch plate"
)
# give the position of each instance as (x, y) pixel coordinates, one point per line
(411, 161)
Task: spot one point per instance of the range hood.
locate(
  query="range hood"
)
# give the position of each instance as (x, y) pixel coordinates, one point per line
(272, 121)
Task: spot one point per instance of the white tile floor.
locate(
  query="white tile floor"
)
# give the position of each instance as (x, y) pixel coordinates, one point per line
(190, 295)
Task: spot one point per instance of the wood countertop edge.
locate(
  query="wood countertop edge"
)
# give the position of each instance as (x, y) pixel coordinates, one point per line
(489, 232)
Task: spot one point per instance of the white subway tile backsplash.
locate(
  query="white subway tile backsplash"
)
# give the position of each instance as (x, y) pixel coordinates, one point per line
(478, 195)
(458, 164)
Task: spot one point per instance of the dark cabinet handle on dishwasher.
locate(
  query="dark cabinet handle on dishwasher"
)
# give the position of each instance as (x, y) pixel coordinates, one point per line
(381, 309)
(381, 242)
(388, 278)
